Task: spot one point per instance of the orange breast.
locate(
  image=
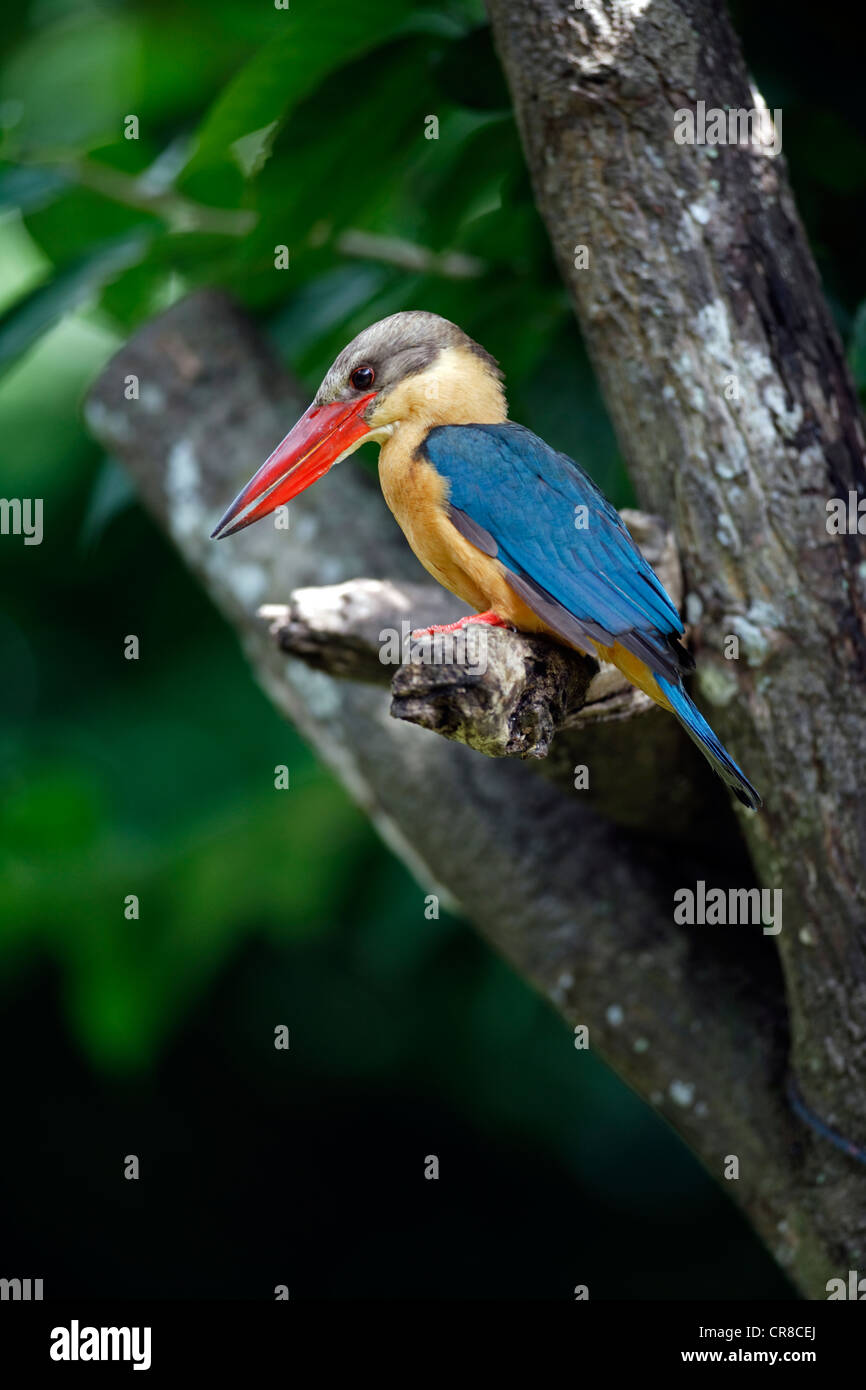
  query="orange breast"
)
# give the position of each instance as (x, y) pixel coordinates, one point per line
(417, 495)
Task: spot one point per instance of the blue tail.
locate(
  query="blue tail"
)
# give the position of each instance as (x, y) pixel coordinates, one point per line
(715, 753)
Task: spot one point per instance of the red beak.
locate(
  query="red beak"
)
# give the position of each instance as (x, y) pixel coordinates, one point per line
(321, 437)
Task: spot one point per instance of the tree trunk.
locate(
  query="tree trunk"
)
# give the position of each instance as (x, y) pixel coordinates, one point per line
(726, 382)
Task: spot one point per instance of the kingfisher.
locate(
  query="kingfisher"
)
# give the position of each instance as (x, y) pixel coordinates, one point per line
(518, 531)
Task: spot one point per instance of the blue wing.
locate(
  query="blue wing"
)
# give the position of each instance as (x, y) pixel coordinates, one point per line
(514, 497)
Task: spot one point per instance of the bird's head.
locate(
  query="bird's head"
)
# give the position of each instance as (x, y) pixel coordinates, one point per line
(410, 370)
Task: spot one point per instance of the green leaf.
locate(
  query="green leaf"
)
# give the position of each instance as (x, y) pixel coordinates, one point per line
(112, 493)
(73, 83)
(79, 222)
(252, 151)
(30, 317)
(29, 188)
(318, 39)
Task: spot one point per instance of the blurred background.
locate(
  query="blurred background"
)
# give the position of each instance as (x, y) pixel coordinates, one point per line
(304, 126)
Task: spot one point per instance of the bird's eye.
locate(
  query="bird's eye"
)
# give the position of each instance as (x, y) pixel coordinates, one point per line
(362, 378)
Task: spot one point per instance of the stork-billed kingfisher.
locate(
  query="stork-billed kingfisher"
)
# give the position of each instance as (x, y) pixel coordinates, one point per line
(512, 527)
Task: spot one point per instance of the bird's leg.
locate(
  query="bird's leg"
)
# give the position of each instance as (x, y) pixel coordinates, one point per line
(490, 618)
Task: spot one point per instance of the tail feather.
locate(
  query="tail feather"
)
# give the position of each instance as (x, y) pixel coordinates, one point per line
(713, 750)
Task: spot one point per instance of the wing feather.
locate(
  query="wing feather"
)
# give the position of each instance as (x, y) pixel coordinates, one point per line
(514, 497)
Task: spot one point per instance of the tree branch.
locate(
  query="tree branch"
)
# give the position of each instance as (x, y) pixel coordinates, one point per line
(504, 693)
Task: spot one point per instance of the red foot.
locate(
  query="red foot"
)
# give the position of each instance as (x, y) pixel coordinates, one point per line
(491, 619)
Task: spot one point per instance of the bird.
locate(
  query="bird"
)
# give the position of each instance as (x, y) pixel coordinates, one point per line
(518, 531)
